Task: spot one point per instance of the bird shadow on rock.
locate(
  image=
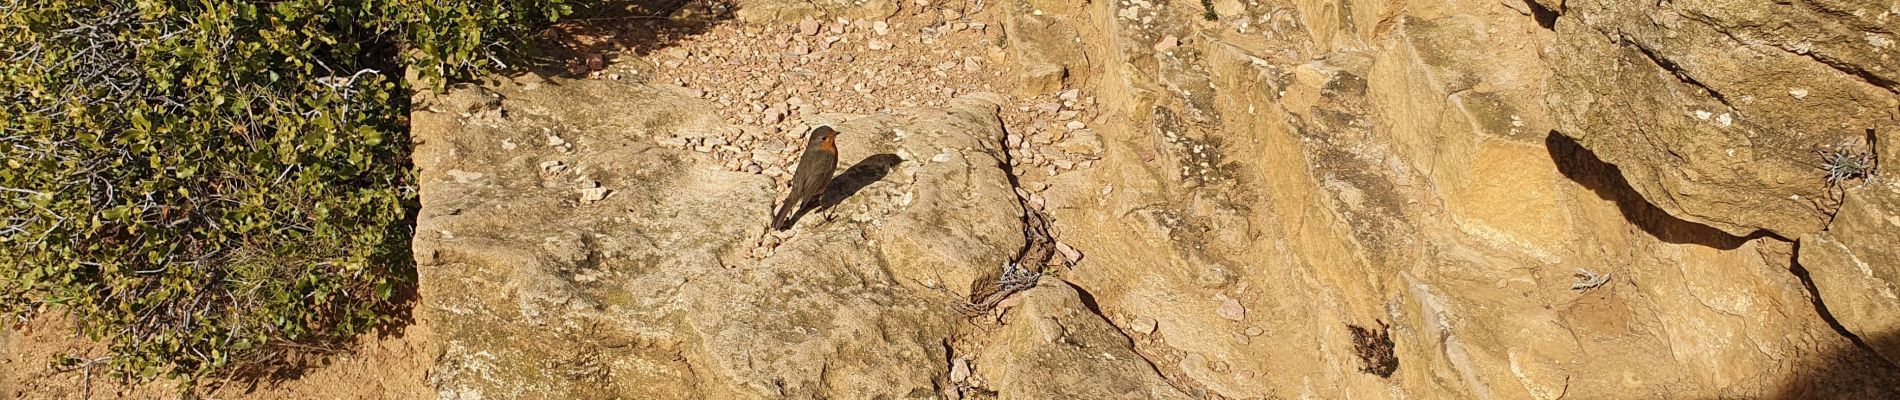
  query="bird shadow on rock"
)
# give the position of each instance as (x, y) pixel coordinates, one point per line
(864, 173)
(1583, 167)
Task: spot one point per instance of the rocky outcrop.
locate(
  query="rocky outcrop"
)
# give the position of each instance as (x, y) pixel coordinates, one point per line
(1856, 268)
(1325, 199)
(1045, 49)
(1722, 115)
(1474, 175)
(1054, 347)
(1715, 110)
(566, 253)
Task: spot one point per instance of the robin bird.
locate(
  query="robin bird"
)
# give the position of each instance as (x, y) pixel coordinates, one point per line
(813, 175)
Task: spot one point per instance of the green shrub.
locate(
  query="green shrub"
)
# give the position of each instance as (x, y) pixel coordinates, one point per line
(200, 182)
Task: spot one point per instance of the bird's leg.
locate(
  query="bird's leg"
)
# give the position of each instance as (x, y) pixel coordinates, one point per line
(818, 204)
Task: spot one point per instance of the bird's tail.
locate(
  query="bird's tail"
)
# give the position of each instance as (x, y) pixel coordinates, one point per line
(779, 221)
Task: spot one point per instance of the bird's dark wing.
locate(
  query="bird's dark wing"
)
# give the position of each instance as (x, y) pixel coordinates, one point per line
(808, 181)
(830, 164)
(814, 173)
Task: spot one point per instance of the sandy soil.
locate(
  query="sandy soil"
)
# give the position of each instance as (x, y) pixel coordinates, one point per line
(393, 366)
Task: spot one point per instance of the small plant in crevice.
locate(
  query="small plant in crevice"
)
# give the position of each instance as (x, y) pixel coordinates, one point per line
(1587, 280)
(1374, 347)
(1207, 10)
(1846, 162)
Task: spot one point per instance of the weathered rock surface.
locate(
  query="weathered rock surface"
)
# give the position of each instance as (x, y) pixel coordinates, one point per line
(1528, 224)
(1260, 199)
(1855, 265)
(1714, 109)
(1054, 331)
(654, 291)
(1540, 199)
(1044, 47)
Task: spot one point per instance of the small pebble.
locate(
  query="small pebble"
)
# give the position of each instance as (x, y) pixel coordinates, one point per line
(1167, 43)
(808, 27)
(1070, 253)
(1232, 310)
(590, 195)
(960, 370)
(1144, 325)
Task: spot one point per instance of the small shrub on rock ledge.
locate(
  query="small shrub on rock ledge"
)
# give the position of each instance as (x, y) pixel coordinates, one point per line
(1374, 347)
(198, 183)
(1845, 163)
